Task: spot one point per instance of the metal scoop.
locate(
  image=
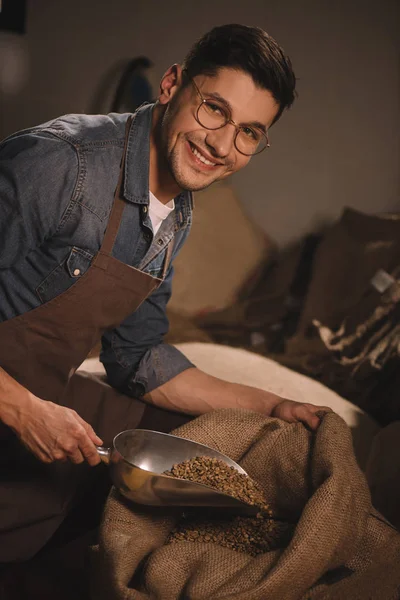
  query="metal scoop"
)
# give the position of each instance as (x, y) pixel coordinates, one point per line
(138, 459)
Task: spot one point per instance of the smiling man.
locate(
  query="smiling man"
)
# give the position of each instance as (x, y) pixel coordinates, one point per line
(93, 210)
(193, 125)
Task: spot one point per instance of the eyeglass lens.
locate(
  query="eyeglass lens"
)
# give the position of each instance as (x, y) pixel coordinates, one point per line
(248, 140)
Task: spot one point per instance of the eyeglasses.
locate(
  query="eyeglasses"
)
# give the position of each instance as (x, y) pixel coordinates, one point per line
(212, 115)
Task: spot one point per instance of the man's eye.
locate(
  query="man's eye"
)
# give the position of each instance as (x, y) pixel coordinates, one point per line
(252, 134)
(215, 109)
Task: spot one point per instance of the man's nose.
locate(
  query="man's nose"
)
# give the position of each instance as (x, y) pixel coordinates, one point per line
(221, 140)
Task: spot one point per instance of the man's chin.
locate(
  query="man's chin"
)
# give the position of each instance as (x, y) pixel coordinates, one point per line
(195, 184)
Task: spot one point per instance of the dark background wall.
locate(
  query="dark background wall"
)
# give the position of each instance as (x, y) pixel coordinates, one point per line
(339, 145)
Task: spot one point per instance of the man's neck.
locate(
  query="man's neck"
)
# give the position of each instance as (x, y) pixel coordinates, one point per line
(161, 182)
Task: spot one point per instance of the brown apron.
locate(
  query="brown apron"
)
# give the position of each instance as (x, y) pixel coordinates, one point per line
(42, 349)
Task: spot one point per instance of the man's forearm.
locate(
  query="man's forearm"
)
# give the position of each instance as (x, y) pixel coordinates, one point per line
(14, 399)
(194, 392)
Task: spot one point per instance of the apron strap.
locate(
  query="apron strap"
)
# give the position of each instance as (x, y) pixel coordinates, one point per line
(119, 203)
(118, 208)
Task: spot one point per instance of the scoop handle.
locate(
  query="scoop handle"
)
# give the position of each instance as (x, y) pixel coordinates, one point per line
(104, 453)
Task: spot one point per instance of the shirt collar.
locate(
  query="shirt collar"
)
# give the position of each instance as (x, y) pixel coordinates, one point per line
(137, 162)
(136, 179)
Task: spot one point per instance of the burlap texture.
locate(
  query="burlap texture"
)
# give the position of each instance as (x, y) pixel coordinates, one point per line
(341, 548)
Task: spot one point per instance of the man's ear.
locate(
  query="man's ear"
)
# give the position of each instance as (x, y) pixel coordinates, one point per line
(170, 83)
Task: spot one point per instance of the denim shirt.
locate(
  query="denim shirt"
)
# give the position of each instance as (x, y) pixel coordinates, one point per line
(57, 184)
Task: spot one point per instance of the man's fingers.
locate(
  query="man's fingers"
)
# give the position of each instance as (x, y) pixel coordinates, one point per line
(305, 415)
(85, 448)
(292, 411)
(90, 431)
(313, 421)
(94, 437)
(76, 457)
(89, 451)
(41, 456)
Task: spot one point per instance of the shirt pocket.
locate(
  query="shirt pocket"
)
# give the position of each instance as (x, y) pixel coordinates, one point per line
(68, 272)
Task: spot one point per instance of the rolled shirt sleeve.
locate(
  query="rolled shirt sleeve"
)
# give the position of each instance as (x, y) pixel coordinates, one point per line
(134, 355)
(160, 364)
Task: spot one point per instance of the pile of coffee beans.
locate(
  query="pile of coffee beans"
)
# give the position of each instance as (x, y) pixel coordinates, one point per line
(222, 477)
(252, 535)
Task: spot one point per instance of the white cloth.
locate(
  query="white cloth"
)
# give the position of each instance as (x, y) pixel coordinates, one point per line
(241, 366)
(158, 211)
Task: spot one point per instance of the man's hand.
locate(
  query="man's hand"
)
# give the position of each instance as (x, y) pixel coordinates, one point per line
(52, 432)
(291, 411)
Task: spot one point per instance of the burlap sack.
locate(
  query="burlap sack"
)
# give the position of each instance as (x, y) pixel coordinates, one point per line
(342, 549)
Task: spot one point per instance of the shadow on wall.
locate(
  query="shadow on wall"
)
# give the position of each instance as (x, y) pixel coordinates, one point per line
(124, 87)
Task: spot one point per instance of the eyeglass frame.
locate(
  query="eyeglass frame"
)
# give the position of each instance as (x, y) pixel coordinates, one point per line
(228, 122)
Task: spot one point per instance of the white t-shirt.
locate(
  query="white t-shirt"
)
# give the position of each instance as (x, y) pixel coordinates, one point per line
(158, 211)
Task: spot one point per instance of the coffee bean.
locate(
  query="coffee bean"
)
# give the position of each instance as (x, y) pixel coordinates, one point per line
(252, 535)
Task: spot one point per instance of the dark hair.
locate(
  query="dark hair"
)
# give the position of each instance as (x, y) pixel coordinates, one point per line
(249, 49)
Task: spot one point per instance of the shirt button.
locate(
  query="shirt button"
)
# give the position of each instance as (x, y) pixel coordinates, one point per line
(144, 209)
(160, 242)
(77, 272)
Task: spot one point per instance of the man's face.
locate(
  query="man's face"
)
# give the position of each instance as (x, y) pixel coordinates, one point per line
(196, 156)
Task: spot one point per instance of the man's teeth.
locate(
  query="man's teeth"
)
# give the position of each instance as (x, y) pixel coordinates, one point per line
(201, 157)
